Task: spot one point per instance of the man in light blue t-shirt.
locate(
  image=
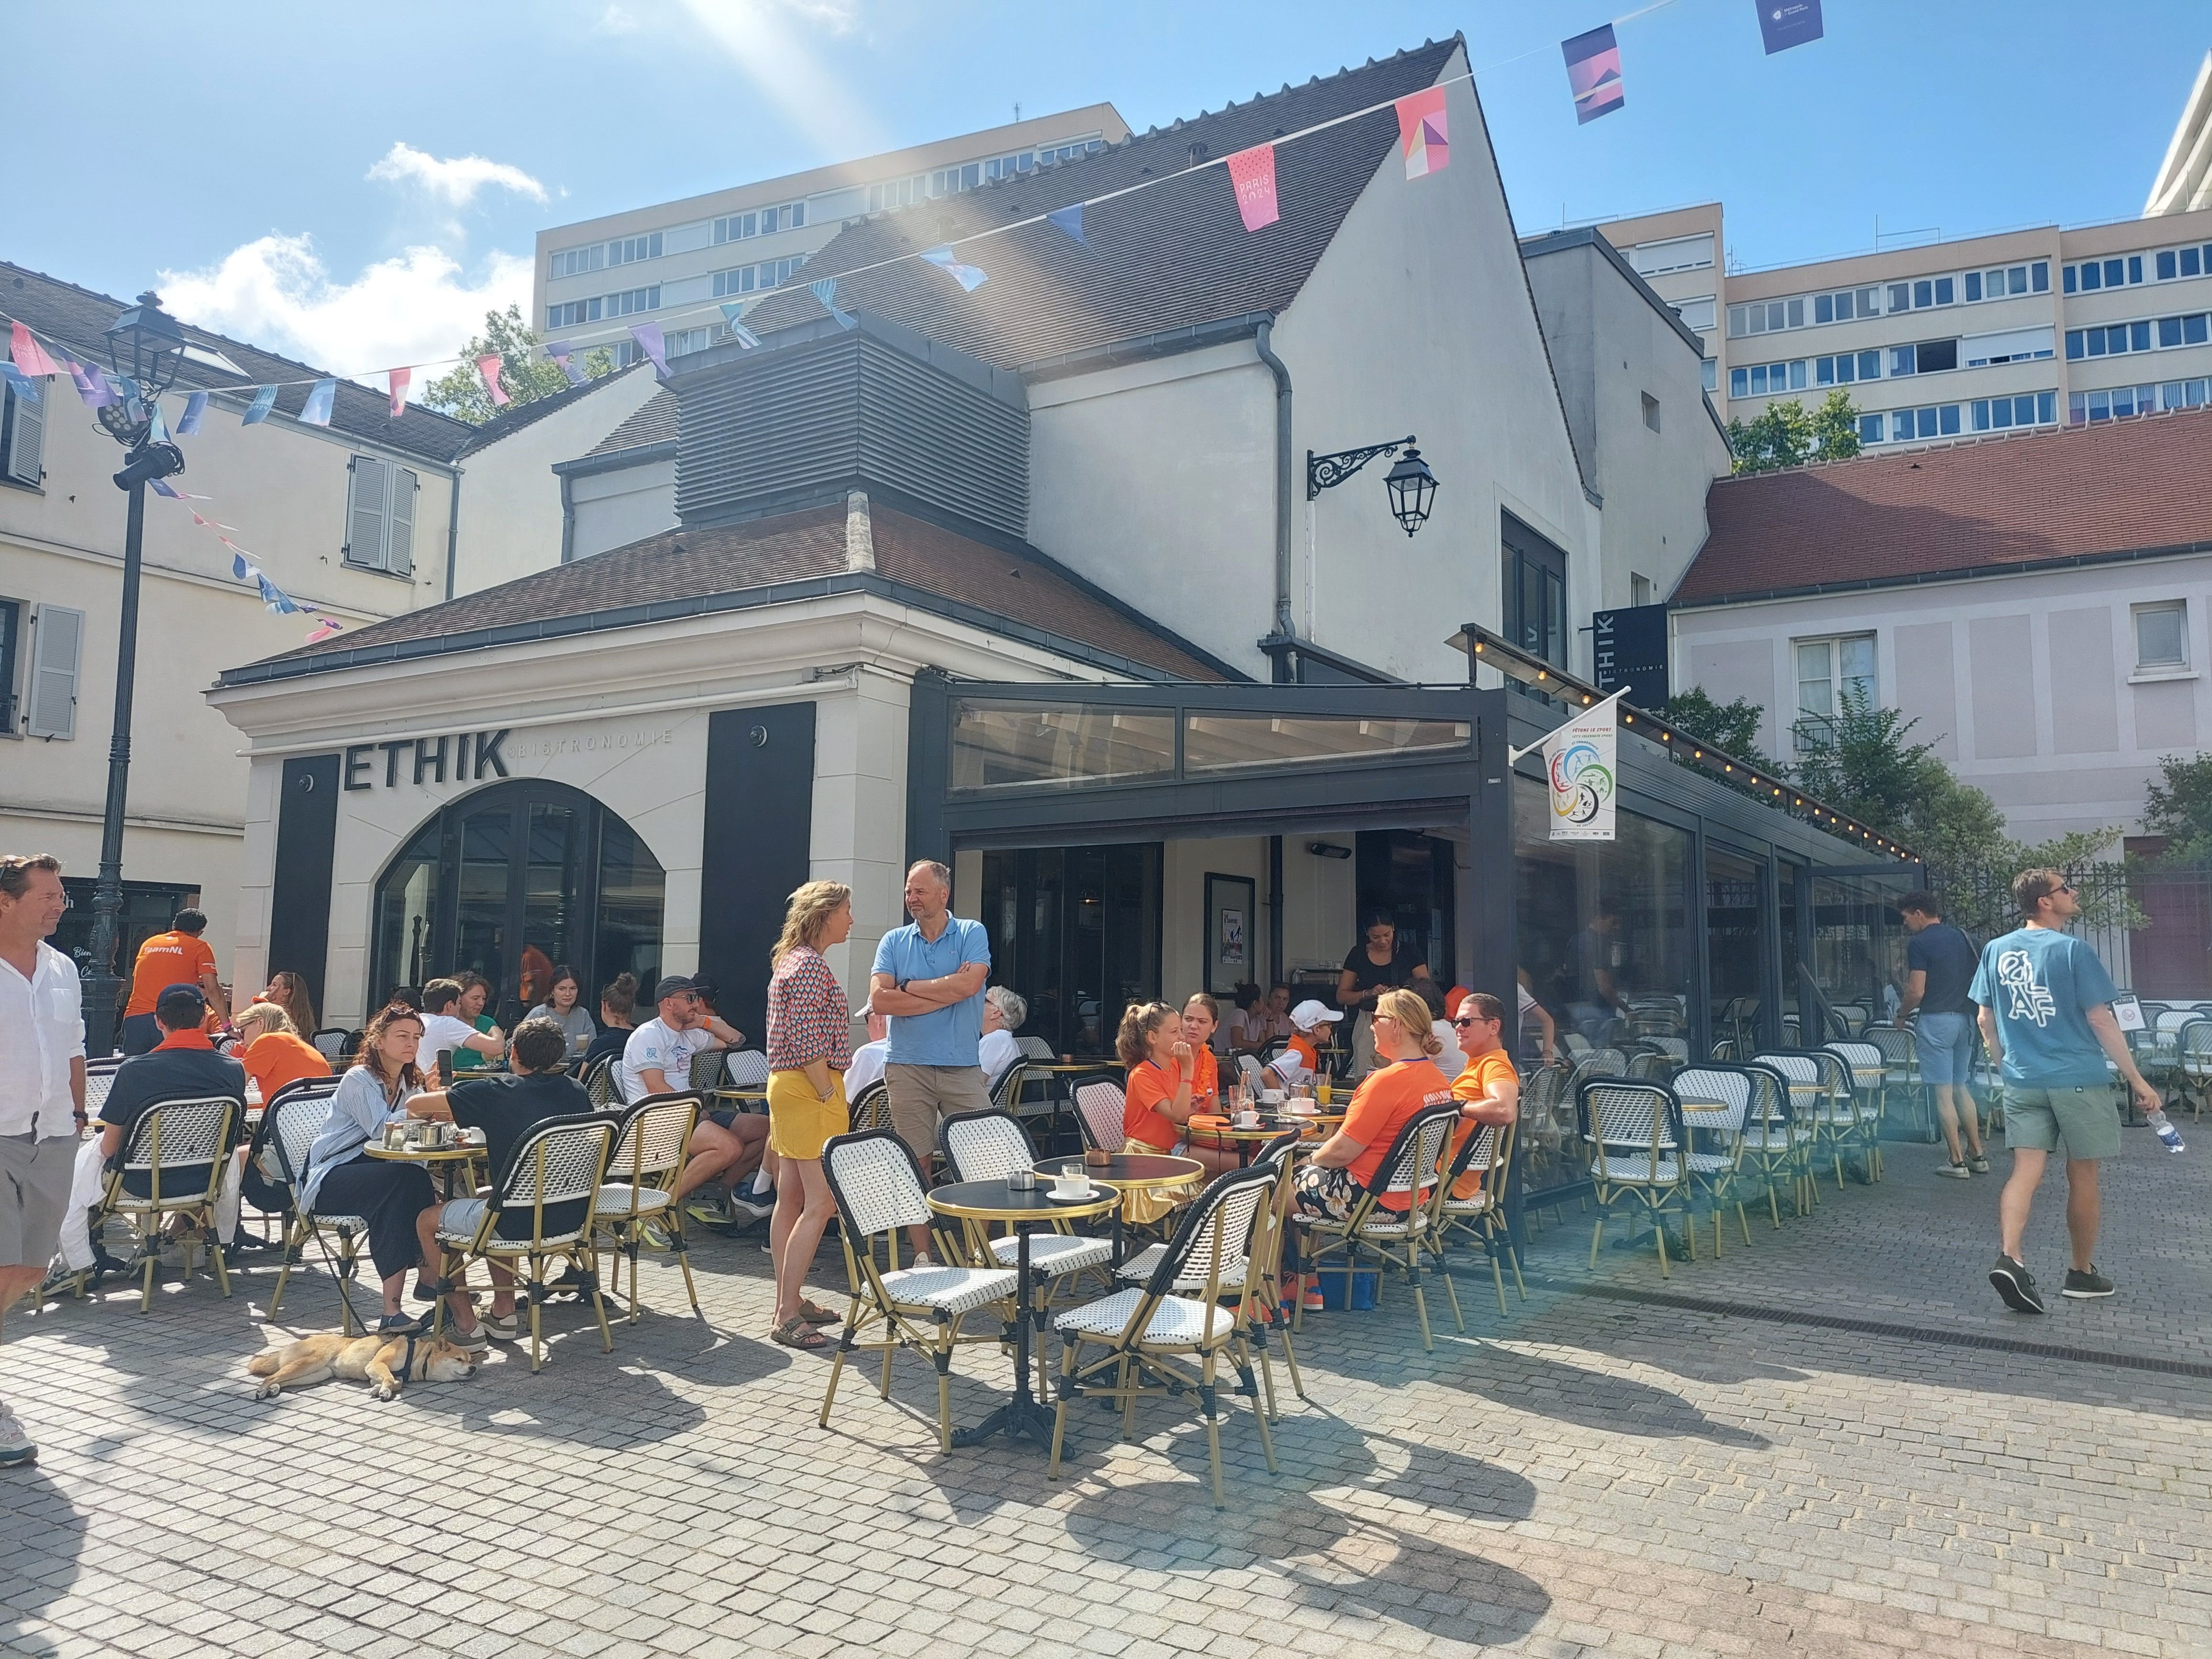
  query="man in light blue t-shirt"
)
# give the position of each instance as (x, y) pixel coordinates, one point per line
(2046, 1013)
(929, 979)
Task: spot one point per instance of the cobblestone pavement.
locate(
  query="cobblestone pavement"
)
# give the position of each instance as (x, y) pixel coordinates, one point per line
(1621, 1464)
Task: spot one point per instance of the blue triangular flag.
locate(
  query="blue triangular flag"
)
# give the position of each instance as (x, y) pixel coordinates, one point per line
(240, 568)
(316, 411)
(274, 597)
(1069, 219)
(24, 386)
(131, 406)
(188, 423)
(968, 277)
(826, 291)
(161, 488)
(265, 399)
(157, 430)
(732, 310)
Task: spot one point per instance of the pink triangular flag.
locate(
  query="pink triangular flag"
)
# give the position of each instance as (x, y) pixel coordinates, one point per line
(399, 378)
(1252, 172)
(488, 365)
(1423, 132)
(30, 355)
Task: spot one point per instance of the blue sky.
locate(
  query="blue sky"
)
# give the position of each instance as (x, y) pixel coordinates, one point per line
(357, 184)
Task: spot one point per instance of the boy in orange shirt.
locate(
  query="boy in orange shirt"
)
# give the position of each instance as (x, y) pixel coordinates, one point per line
(1489, 1086)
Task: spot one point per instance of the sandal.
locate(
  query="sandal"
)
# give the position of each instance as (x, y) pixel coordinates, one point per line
(796, 1332)
(815, 1314)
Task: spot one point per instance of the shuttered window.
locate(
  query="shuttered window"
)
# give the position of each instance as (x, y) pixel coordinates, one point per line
(380, 516)
(11, 633)
(57, 648)
(22, 437)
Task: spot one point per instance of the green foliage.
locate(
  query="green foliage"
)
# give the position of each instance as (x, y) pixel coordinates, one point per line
(1731, 727)
(525, 375)
(1860, 762)
(2180, 809)
(1784, 434)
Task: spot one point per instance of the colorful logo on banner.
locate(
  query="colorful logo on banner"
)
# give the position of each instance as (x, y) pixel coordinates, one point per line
(1578, 761)
(1594, 73)
(1252, 172)
(1786, 23)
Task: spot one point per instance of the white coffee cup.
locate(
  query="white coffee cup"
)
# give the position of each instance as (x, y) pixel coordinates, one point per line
(1271, 1096)
(1248, 1120)
(1068, 1185)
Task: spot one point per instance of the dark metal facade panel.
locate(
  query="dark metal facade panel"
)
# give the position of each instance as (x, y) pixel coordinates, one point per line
(789, 421)
(943, 441)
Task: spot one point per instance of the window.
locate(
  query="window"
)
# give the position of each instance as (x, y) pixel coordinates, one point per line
(898, 192)
(2122, 403)
(1650, 411)
(1698, 314)
(632, 301)
(1928, 357)
(629, 250)
(578, 261)
(2028, 409)
(571, 314)
(1709, 374)
(1681, 253)
(1846, 367)
(2185, 394)
(1766, 317)
(1832, 675)
(1870, 429)
(1052, 155)
(1536, 575)
(762, 221)
(2017, 345)
(1764, 379)
(57, 648)
(2175, 263)
(380, 517)
(1008, 166)
(11, 637)
(678, 341)
(1215, 743)
(2004, 281)
(739, 280)
(997, 745)
(950, 182)
(1639, 589)
(2095, 274)
(22, 437)
(1841, 307)
(2162, 637)
(746, 279)
(1907, 425)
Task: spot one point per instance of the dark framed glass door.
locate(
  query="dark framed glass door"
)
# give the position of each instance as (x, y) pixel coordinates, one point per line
(1536, 576)
(1076, 930)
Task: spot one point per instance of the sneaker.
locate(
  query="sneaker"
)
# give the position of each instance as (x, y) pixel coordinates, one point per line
(475, 1339)
(1311, 1294)
(1979, 1164)
(746, 1207)
(708, 1213)
(398, 1324)
(1954, 1171)
(654, 1236)
(500, 1328)
(2016, 1285)
(60, 1278)
(16, 1451)
(2083, 1287)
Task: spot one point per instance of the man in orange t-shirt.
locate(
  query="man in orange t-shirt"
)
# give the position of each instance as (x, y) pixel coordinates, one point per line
(1489, 1087)
(180, 956)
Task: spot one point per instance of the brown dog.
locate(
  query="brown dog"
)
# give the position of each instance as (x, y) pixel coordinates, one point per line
(385, 1362)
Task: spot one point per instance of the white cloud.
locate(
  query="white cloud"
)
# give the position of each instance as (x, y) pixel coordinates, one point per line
(455, 180)
(276, 293)
(615, 20)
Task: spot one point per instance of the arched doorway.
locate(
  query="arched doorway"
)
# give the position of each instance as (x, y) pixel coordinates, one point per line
(509, 881)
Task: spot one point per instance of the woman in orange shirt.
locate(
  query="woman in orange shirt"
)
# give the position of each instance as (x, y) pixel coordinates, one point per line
(1349, 1161)
(272, 1052)
(1157, 1100)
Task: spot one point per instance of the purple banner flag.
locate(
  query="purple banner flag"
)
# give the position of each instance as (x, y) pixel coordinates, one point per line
(265, 399)
(91, 385)
(188, 423)
(1069, 219)
(1786, 23)
(564, 358)
(1594, 73)
(273, 597)
(968, 277)
(651, 342)
(316, 411)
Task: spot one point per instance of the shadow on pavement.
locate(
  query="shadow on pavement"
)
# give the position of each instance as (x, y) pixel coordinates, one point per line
(46, 1535)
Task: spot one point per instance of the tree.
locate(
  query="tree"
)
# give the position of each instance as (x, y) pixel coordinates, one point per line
(1785, 436)
(525, 375)
(2180, 809)
(1731, 727)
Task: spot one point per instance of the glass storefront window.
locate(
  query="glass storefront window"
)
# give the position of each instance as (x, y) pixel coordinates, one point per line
(998, 745)
(1858, 946)
(1076, 930)
(1735, 945)
(1217, 742)
(406, 911)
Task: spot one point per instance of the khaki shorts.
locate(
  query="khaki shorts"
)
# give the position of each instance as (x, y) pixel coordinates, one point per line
(922, 1096)
(2086, 1119)
(35, 1177)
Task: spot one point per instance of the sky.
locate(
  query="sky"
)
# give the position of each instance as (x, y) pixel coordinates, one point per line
(357, 185)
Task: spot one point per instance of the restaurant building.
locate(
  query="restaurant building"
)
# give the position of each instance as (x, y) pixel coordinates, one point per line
(1015, 578)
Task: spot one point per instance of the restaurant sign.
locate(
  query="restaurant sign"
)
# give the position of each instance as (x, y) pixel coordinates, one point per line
(463, 757)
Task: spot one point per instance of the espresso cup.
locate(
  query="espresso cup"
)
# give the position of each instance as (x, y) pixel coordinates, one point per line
(1248, 1120)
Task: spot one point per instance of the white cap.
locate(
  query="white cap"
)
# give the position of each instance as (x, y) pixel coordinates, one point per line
(1309, 1013)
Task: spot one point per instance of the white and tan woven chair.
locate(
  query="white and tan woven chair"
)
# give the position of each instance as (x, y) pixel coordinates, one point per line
(1634, 1131)
(1716, 1104)
(653, 1140)
(2193, 1066)
(1773, 1144)
(872, 1108)
(1393, 1240)
(179, 1150)
(1821, 1103)
(289, 1128)
(1901, 1070)
(1099, 1105)
(1869, 1070)
(603, 1084)
(1486, 1154)
(878, 1185)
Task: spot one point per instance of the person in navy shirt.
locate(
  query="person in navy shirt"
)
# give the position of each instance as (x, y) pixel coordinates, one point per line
(928, 978)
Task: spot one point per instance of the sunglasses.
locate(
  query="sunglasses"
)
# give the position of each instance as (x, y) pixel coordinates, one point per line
(1464, 1023)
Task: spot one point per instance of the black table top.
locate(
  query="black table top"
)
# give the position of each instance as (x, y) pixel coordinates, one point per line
(996, 1200)
(1130, 1169)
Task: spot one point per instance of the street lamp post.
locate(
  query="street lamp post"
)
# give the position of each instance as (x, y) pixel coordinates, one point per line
(145, 348)
(1411, 486)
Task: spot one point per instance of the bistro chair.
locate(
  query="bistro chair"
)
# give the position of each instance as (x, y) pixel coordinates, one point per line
(1634, 1133)
(602, 1086)
(707, 1071)
(878, 1185)
(542, 1211)
(872, 1108)
(290, 1125)
(1142, 1338)
(1485, 1155)
(1715, 1103)
(653, 1140)
(1547, 1109)
(2194, 1071)
(330, 1041)
(1901, 1069)
(1826, 1117)
(99, 1078)
(745, 1069)
(1099, 1105)
(1773, 1144)
(1393, 1239)
(1869, 1074)
(185, 1146)
(1006, 1092)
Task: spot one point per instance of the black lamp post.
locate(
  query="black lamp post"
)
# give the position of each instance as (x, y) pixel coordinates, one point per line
(1411, 485)
(145, 348)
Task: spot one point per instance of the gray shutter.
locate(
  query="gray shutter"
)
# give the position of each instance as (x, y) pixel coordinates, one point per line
(365, 513)
(57, 644)
(27, 438)
(400, 517)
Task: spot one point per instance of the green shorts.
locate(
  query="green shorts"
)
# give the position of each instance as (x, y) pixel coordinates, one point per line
(2089, 1118)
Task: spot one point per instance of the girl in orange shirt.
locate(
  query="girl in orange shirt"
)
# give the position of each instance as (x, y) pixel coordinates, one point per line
(1158, 1101)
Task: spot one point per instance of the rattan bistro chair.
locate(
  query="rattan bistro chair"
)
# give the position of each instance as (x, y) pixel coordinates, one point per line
(1138, 1341)
(1485, 1155)
(1099, 1105)
(1773, 1144)
(878, 1187)
(602, 1086)
(1634, 1133)
(1823, 1105)
(1392, 1239)
(652, 1140)
(1901, 1070)
(871, 1108)
(99, 1078)
(2193, 1066)
(1715, 1103)
(541, 1211)
(290, 1125)
(1868, 1069)
(179, 1151)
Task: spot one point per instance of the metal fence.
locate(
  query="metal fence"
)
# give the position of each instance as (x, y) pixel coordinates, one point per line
(2151, 925)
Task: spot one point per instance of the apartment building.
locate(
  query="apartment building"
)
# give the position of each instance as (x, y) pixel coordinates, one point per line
(2024, 329)
(677, 262)
(2184, 177)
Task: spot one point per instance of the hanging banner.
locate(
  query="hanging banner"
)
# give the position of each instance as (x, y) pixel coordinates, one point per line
(1578, 761)
(1786, 23)
(732, 311)
(826, 291)
(91, 385)
(488, 369)
(398, 382)
(1069, 219)
(316, 411)
(968, 277)
(188, 423)
(564, 359)
(1594, 73)
(652, 343)
(1252, 174)
(30, 355)
(22, 384)
(265, 399)
(1423, 133)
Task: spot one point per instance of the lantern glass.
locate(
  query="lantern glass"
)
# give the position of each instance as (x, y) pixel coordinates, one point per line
(146, 345)
(1413, 487)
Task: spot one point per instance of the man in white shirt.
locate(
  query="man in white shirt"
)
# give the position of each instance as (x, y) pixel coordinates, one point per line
(444, 1031)
(1004, 1010)
(41, 1090)
(871, 1057)
(656, 1060)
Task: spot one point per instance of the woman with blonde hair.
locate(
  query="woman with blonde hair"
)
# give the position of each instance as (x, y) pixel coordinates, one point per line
(809, 1047)
(273, 1051)
(1404, 1079)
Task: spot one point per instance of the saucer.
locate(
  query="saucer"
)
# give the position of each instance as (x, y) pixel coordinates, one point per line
(1072, 1198)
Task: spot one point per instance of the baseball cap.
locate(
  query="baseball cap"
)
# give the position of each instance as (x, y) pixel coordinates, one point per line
(181, 1007)
(1309, 1013)
(675, 985)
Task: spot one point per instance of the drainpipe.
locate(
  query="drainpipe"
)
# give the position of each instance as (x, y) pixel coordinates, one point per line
(453, 527)
(1263, 338)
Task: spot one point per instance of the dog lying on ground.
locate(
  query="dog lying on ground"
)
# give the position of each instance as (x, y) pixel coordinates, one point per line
(385, 1363)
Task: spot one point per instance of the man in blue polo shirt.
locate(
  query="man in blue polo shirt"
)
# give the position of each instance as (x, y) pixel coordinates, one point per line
(929, 979)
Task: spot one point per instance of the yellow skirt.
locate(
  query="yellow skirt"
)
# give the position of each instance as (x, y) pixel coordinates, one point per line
(799, 1119)
(1142, 1204)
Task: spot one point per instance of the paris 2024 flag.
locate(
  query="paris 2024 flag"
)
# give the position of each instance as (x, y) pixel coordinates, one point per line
(1580, 765)
(1594, 73)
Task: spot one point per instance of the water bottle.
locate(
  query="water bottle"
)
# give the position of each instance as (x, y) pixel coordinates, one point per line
(2163, 1126)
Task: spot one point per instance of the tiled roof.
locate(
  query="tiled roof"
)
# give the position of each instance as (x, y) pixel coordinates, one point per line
(511, 421)
(1171, 256)
(2119, 487)
(653, 422)
(688, 564)
(77, 318)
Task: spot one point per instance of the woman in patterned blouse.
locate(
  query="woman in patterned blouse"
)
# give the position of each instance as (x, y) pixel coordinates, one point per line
(809, 1038)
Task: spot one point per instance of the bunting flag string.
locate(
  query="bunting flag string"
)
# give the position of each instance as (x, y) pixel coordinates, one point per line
(1594, 74)
(1423, 134)
(1252, 175)
(732, 311)
(29, 356)
(188, 423)
(564, 357)
(316, 411)
(968, 277)
(396, 385)
(488, 371)
(24, 386)
(1069, 219)
(651, 342)
(826, 291)
(265, 399)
